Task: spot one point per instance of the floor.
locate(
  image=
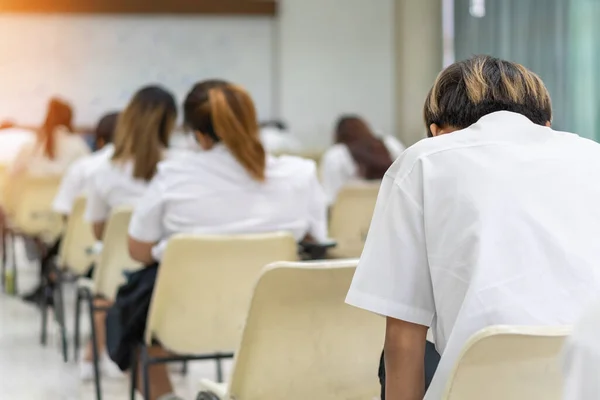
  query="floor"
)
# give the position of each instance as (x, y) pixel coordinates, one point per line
(30, 371)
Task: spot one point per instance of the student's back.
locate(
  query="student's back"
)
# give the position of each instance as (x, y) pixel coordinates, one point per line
(56, 146)
(210, 192)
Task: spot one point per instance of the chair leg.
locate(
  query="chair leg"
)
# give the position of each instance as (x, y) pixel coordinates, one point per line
(44, 310)
(219, 370)
(184, 368)
(133, 371)
(76, 338)
(96, 356)
(59, 310)
(3, 245)
(145, 370)
(13, 255)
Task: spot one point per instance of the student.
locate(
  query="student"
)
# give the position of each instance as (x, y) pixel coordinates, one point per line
(356, 155)
(277, 139)
(492, 221)
(73, 184)
(55, 148)
(78, 175)
(141, 139)
(581, 361)
(208, 191)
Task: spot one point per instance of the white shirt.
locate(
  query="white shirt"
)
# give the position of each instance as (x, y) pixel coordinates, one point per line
(76, 180)
(112, 185)
(69, 147)
(276, 141)
(209, 192)
(582, 358)
(494, 224)
(338, 168)
(12, 141)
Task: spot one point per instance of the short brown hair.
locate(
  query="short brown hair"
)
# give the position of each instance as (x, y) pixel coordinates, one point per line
(467, 90)
(59, 114)
(226, 113)
(144, 129)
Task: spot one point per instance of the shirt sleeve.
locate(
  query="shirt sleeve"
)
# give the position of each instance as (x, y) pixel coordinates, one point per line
(97, 208)
(392, 278)
(71, 186)
(317, 211)
(147, 221)
(337, 169)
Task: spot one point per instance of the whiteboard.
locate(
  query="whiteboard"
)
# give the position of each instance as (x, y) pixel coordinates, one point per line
(98, 62)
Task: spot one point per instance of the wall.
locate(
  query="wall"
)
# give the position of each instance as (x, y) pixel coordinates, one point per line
(418, 58)
(335, 56)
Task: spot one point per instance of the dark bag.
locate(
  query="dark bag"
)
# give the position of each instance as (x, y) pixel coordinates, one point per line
(126, 319)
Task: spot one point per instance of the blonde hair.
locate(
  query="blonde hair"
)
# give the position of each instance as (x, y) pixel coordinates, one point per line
(226, 113)
(143, 130)
(467, 90)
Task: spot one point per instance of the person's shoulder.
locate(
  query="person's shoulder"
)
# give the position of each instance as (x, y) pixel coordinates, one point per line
(292, 165)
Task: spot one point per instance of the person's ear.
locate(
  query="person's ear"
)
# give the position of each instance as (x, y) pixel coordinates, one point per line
(548, 124)
(204, 141)
(435, 130)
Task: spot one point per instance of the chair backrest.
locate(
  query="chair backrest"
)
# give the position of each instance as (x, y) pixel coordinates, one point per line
(77, 241)
(204, 285)
(32, 202)
(503, 362)
(301, 341)
(114, 258)
(351, 217)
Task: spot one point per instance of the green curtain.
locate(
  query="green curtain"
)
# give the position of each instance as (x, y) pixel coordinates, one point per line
(557, 39)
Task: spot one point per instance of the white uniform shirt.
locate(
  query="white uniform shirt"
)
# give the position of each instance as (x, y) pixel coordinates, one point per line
(12, 141)
(582, 358)
(76, 180)
(112, 185)
(494, 224)
(338, 168)
(209, 192)
(69, 147)
(276, 141)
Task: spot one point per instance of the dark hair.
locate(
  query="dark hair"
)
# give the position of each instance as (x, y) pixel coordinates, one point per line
(368, 151)
(59, 114)
(226, 113)
(467, 90)
(105, 130)
(144, 129)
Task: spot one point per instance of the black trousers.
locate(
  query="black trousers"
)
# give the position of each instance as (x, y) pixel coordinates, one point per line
(432, 359)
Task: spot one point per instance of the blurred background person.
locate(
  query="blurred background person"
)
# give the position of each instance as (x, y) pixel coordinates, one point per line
(121, 179)
(56, 145)
(358, 154)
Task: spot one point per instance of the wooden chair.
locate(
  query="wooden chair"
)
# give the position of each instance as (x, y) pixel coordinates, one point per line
(351, 218)
(504, 362)
(301, 341)
(203, 289)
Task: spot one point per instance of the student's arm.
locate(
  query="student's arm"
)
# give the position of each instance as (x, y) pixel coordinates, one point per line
(404, 360)
(393, 280)
(146, 227)
(317, 211)
(337, 169)
(98, 228)
(97, 209)
(72, 185)
(141, 251)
